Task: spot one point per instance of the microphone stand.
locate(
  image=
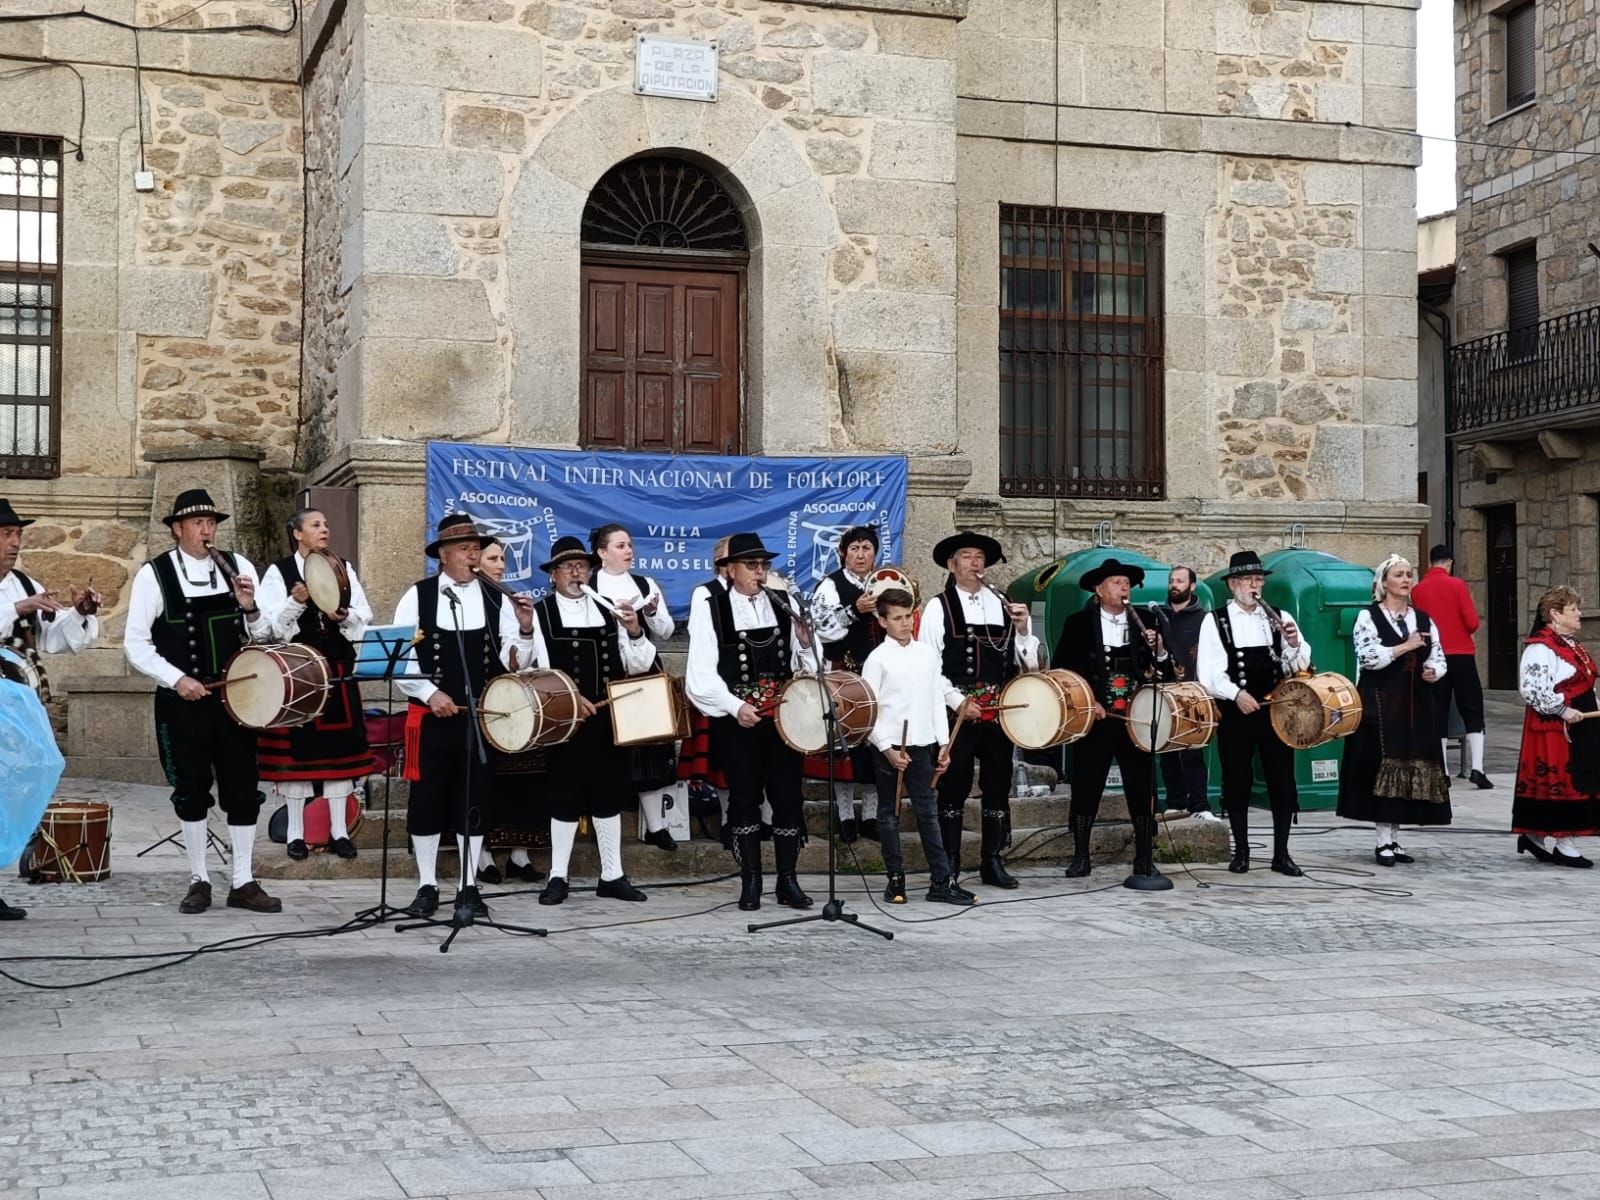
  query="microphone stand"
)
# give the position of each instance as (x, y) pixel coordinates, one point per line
(476, 746)
(833, 911)
(1156, 882)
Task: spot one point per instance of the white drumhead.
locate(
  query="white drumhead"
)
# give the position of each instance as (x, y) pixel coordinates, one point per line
(508, 714)
(256, 702)
(1037, 725)
(1150, 702)
(800, 715)
(641, 710)
(322, 583)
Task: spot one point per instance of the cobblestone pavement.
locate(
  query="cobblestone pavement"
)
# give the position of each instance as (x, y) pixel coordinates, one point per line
(1420, 1033)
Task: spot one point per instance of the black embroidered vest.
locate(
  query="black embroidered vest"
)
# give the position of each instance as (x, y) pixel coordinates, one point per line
(315, 627)
(196, 634)
(975, 654)
(861, 636)
(1256, 669)
(591, 654)
(437, 652)
(745, 656)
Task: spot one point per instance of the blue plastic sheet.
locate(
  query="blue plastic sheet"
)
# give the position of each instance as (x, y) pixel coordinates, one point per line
(30, 767)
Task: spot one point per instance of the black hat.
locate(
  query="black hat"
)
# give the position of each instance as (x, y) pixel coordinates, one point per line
(967, 540)
(196, 502)
(1245, 562)
(1095, 576)
(454, 527)
(8, 515)
(745, 545)
(565, 550)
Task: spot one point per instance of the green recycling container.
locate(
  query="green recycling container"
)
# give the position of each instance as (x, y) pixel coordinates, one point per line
(1323, 594)
(1052, 594)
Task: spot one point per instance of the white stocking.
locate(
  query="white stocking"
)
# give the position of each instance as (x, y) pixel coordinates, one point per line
(1475, 749)
(426, 848)
(469, 849)
(1568, 846)
(562, 835)
(338, 793)
(650, 810)
(844, 799)
(243, 839)
(296, 808)
(869, 802)
(194, 846)
(1444, 744)
(1385, 833)
(608, 837)
(485, 859)
(519, 857)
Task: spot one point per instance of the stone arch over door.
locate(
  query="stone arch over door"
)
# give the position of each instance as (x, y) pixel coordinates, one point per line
(791, 228)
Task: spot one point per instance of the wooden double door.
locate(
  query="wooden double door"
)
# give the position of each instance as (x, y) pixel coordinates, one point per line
(661, 358)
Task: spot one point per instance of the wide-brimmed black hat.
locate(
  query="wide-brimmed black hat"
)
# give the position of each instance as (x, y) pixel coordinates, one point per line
(8, 515)
(1095, 576)
(565, 550)
(196, 502)
(745, 545)
(454, 527)
(1245, 562)
(965, 539)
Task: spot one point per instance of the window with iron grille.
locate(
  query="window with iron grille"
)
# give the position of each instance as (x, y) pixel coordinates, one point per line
(30, 305)
(1521, 59)
(1080, 354)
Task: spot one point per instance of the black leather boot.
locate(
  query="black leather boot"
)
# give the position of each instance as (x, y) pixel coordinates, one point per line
(747, 849)
(992, 870)
(1239, 822)
(950, 829)
(786, 852)
(1281, 862)
(1082, 824)
(1146, 876)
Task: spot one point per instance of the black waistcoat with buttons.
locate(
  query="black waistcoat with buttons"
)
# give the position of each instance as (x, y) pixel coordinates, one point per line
(24, 631)
(437, 654)
(196, 634)
(975, 654)
(1257, 669)
(591, 654)
(745, 656)
(862, 635)
(315, 628)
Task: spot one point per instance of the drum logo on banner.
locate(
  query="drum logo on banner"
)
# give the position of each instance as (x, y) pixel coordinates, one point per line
(675, 507)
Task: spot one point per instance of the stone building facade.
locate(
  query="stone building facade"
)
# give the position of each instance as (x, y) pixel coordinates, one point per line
(370, 233)
(1526, 400)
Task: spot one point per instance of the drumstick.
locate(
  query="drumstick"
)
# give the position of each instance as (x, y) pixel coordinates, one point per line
(950, 745)
(900, 775)
(222, 683)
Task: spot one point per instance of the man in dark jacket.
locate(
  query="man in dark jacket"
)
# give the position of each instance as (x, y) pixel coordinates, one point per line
(1183, 772)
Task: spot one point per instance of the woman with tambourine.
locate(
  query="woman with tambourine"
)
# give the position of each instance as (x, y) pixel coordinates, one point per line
(1393, 771)
(1558, 771)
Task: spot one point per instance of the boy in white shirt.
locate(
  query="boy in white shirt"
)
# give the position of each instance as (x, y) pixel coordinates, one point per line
(913, 725)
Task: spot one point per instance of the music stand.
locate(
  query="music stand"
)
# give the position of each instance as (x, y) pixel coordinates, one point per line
(833, 910)
(212, 841)
(379, 655)
(480, 751)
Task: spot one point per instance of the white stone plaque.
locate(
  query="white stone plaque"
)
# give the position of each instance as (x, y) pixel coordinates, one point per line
(679, 68)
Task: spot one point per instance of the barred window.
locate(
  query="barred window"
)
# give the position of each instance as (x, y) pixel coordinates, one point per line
(1081, 354)
(30, 305)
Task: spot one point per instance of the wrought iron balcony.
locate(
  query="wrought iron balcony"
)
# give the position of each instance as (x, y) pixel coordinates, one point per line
(1529, 379)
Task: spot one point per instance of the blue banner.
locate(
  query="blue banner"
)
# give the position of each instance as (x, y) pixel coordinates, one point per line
(675, 507)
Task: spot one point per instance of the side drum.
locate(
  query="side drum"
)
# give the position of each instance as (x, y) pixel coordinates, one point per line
(1307, 713)
(73, 844)
(801, 714)
(276, 685)
(1184, 715)
(1046, 708)
(531, 708)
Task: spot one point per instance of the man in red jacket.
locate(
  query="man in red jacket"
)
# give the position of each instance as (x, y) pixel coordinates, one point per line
(1449, 602)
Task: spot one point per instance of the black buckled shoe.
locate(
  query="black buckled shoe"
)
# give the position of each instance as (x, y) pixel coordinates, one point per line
(426, 903)
(1400, 856)
(662, 840)
(788, 892)
(1239, 864)
(992, 871)
(555, 891)
(1284, 865)
(1481, 781)
(490, 874)
(948, 891)
(1526, 845)
(1569, 860)
(344, 847)
(299, 851)
(469, 907)
(526, 872)
(1384, 856)
(253, 896)
(1078, 868)
(848, 832)
(869, 830)
(10, 912)
(197, 899)
(894, 891)
(619, 889)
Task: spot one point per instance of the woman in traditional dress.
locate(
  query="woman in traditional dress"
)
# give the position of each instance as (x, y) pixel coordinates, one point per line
(1558, 771)
(1393, 772)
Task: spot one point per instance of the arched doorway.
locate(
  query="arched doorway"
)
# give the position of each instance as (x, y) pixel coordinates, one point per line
(664, 259)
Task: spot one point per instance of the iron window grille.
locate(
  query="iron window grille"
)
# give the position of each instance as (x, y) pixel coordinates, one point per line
(662, 204)
(30, 306)
(1081, 343)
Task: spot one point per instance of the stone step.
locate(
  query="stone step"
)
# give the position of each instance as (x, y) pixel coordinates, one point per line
(1183, 839)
